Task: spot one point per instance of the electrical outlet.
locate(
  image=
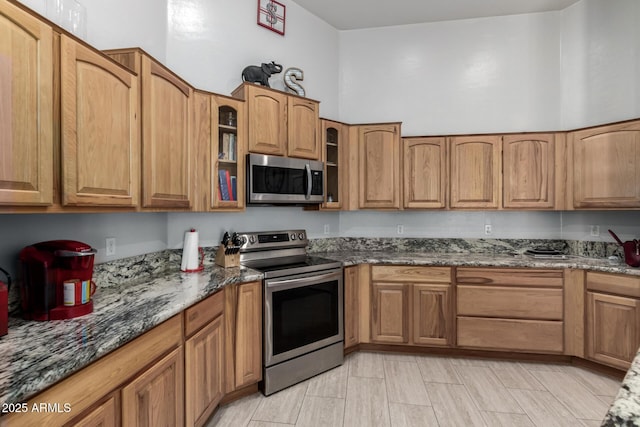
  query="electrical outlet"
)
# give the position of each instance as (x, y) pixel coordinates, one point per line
(111, 246)
(595, 230)
(400, 229)
(326, 229)
(487, 229)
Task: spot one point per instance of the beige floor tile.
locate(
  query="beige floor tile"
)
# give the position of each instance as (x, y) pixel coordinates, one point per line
(330, 384)
(499, 419)
(368, 365)
(465, 361)
(366, 404)
(267, 424)
(598, 384)
(405, 384)
(436, 369)
(453, 405)
(580, 402)
(283, 406)
(543, 366)
(512, 375)
(487, 391)
(412, 415)
(544, 409)
(321, 412)
(398, 357)
(591, 423)
(236, 414)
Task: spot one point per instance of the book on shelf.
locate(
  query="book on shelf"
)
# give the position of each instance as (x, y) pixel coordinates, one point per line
(234, 191)
(225, 146)
(228, 178)
(232, 147)
(222, 184)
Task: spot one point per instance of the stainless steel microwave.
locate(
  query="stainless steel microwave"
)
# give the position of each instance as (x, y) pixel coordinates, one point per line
(284, 180)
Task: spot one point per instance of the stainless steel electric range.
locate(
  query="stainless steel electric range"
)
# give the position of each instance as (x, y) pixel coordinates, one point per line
(302, 307)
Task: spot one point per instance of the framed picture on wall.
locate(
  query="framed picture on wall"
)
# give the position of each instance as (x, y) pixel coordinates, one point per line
(271, 15)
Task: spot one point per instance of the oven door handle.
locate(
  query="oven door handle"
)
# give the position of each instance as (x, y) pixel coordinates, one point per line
(295, 283)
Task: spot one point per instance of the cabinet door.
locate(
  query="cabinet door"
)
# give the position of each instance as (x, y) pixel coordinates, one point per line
(100, 130)
(432, 314)
(204, 372)
(613, 329)
(351, 306)
(107, 414)
(303, 128)
(228, 153)
(390, 313)
(335, 137)
(528, 176)
(379, 168)
(605, 166)
(26, 108)
(166, 169)
(267, 120)
(156, 398)
(425, 172)
(475, 171)
(243, 334)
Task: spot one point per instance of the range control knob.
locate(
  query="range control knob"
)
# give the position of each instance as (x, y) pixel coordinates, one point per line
(293, 236)
(301, 236)
(252, 239)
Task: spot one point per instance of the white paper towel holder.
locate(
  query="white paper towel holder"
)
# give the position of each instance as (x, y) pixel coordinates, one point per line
(192, 254)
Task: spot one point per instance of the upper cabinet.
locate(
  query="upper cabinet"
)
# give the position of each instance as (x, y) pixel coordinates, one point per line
(336, 139)
(529, 171)
(280, 124)
(475, 171)
(604, 164)
(166, 139)
(100, 129)
(379, 166)
(26, 108)
(425, 172)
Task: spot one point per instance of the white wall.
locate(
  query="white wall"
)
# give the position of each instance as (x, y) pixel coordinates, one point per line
(496, 74)
(600, 62)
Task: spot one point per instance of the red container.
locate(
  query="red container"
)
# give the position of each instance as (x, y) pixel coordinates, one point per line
(45, 268)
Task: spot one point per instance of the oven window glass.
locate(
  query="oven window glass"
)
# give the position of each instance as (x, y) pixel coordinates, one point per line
(277, 180)
(304, 315)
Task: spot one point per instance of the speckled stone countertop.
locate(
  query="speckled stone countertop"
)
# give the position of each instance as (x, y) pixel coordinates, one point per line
(625, 410)
(35, 355)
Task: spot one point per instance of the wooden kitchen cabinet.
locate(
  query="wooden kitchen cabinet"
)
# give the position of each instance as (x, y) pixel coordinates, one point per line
(243, 335)
(528, 178)
(411, 305)
(379, 166)
(425, 173)
(100, 129)
(613, 319)
(603, 166)
(106, 414)
(510, 309)
(281, 124)
(204, 358)
(351, 306)
(166, 135)
(156, 398)
(26, 108)
(475, 180)
(336, 145)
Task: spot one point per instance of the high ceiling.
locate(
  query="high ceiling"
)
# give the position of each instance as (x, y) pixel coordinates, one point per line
(357, 14)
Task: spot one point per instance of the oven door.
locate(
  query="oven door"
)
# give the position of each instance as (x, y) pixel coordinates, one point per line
(302, 313)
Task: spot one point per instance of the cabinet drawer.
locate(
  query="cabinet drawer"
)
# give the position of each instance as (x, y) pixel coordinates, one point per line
(203, 312)
(614, 283)
(410, 273)
(510, 334)
(510, 277)
(512, 302)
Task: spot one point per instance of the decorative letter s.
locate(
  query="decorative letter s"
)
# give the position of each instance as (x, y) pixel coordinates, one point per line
(291, 77)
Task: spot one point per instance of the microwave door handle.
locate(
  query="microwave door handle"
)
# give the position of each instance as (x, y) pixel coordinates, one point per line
(308, 169)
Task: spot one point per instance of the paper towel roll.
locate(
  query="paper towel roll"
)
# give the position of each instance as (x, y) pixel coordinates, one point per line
(190, 259)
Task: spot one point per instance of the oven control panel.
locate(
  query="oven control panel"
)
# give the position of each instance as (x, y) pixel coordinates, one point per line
(263, 240)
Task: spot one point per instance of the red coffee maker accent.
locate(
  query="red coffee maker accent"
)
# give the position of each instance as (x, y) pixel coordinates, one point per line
(45, 267)
(4, 303)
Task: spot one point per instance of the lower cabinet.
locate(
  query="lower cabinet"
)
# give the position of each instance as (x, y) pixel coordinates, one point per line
(243, 335)
(106, 414)
(351, 306)
(613, 319)
(156, 397)
(510, 309)
(411, 305)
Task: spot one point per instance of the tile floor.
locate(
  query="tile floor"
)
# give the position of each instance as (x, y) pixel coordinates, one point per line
(386, 389)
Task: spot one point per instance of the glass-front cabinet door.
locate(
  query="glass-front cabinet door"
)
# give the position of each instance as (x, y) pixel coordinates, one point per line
(228, 151)
(334, 136)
